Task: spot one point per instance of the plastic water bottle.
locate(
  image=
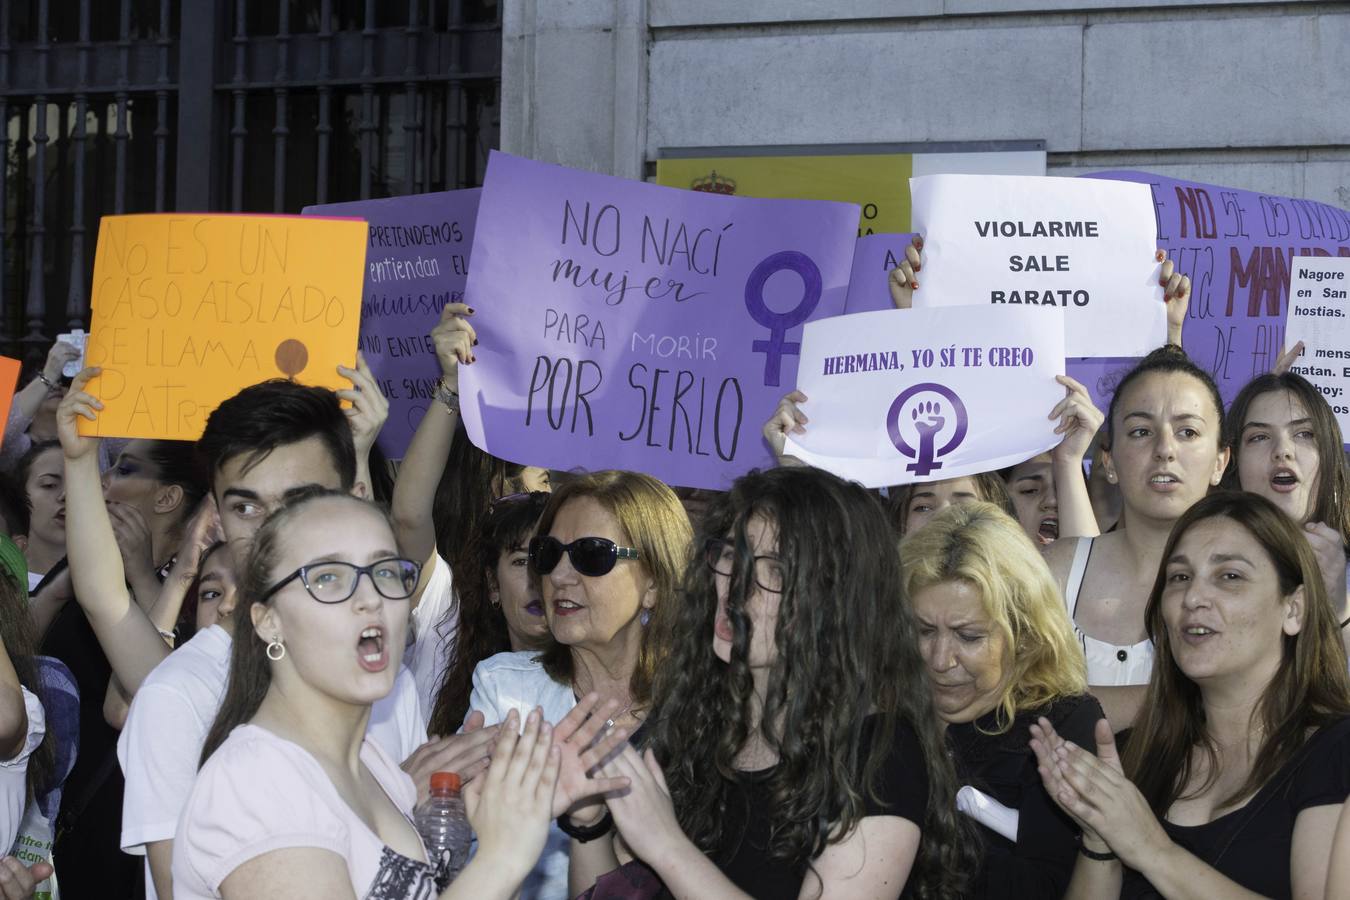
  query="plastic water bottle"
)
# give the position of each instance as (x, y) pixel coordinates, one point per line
(444, 827)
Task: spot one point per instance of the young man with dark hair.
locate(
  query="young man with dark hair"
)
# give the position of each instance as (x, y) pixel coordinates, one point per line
(263, 446)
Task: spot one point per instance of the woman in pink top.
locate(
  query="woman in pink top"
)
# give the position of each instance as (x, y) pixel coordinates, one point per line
(292, 800)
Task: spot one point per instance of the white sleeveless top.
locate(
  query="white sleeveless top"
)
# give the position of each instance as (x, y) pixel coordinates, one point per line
(1108, 665)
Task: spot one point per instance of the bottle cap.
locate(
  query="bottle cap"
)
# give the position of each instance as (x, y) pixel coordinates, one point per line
(445, 781)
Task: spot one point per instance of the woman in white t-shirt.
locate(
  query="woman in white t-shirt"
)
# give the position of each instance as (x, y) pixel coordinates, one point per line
(292, 800)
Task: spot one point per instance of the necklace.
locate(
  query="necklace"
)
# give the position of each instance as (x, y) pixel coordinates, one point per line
(609, 723)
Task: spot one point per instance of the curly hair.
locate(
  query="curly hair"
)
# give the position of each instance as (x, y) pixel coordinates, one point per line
(847, 649)
(509, 523)
(979, 544)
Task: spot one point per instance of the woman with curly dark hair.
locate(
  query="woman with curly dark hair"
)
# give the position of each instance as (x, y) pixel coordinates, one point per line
(500, 609)
(794, 751)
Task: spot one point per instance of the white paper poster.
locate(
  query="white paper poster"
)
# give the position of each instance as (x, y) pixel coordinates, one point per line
(1319, 316)
(912, 395)
(1080, 249)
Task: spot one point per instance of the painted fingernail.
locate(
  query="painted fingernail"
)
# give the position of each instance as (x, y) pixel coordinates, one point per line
(471, 310)
(918, 241)
(913, 285)
(918, 267)
(1159, 255)
(475, 342)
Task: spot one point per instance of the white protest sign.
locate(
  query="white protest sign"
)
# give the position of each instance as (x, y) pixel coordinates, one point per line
(1077, 248)
(1319, 316)
(912, 395)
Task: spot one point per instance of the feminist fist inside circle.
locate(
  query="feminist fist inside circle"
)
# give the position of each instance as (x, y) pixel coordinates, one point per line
(928, 420)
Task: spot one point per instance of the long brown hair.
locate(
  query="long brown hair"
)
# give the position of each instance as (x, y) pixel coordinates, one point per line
(990, 486)
(250, 673)
(847, 651)
(651, 516)
(1311, 687)
(482, 631)
(19, 634)
(1331, 503)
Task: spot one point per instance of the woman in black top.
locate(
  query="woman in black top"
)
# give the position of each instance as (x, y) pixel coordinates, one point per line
(799, 754)
(1000, 652)
(1241, 756)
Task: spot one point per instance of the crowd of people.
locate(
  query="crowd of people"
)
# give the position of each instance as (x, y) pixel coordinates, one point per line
(1118, 669)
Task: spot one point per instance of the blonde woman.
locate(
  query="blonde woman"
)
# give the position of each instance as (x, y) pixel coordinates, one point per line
(1000, 652)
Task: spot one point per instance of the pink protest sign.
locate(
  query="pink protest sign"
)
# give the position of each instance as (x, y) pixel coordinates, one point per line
(417, 261)
(628, 325)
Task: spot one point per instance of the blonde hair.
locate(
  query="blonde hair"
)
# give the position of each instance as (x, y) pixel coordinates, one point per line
(979, 544)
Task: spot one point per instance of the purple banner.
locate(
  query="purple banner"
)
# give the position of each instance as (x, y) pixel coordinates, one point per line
(874, 256)
(1237, 247)
(628, 325)
(417, 261)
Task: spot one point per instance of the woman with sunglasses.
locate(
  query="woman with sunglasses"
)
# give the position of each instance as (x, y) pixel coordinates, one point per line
(609, 555)
(293, 800)
(794, 747)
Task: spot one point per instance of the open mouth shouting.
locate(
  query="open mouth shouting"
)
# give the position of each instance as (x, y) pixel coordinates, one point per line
(1048, 530)
(370, 651)
(1284, 480)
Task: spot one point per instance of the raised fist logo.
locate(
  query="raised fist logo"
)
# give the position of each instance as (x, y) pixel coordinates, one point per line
(927, 422)
(928, 430)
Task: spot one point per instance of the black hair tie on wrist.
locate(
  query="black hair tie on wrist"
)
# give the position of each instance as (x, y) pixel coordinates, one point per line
(586, 833)
(1094, 855)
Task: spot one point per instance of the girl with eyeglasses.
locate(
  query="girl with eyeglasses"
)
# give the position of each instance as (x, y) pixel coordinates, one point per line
(292, 799)
(610, 550)
(794, 748)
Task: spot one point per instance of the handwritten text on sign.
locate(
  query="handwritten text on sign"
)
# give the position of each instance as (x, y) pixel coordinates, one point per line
(1238, 248)
(628, 325)
(1077, 248)
(188, 310)
(1319, 315)
(417, 261)
(903, 396)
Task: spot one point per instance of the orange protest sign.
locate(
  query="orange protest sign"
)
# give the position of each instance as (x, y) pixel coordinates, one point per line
(190, 309)
(9, 381)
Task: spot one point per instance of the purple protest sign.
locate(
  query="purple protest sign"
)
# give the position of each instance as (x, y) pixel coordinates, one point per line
(417, 261)
(629, 325)
(873, 258)
(1237, 247)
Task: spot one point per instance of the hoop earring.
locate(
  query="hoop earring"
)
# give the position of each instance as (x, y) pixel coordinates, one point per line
(276, 651)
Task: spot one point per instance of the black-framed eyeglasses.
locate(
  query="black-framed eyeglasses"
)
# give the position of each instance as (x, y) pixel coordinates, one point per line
(720, 555)
(590, 556)
(333, 582)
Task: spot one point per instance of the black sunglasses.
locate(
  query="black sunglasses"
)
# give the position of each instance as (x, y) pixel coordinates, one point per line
(590, 556)
(334, 582)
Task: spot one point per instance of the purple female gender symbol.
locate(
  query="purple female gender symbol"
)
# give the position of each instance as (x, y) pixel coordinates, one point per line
(779, 323)
(926, 456)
